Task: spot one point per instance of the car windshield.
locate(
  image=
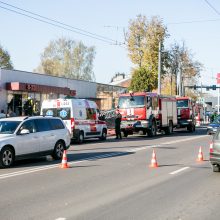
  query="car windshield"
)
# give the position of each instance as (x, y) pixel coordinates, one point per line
(134, 101)
(182, 103)
(8, 127)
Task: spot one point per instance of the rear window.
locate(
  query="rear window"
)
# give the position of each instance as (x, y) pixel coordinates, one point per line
(63, 113)
(56, 124)
(43, 125)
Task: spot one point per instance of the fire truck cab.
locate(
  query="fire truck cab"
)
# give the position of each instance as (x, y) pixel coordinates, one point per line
(147, 113)
(186, 113)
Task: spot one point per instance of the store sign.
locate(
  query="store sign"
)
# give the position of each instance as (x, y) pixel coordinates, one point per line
(218, 78)
(29, 87)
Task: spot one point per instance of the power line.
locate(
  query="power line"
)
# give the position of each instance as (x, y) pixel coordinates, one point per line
(53, 24)
(195, 21)
(211, 6)
(59, 24)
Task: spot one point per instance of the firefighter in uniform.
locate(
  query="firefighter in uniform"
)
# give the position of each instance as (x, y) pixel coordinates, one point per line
(118, 125)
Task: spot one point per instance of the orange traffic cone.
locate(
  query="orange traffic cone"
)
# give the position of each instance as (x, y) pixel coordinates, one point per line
(200, 155)
(153, 160)
(64, 163)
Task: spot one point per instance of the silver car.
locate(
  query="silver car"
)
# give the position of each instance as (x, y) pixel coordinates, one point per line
(26, 137)
(215, 152)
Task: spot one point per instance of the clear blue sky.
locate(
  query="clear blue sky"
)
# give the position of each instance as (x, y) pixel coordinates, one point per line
(25, 39)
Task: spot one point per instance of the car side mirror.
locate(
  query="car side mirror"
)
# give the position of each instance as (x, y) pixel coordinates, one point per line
(24, 131)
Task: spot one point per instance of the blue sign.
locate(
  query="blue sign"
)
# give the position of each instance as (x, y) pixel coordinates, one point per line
(49, 113)
(63, 114)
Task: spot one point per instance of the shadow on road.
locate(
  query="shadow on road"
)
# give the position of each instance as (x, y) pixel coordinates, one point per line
(90, 156)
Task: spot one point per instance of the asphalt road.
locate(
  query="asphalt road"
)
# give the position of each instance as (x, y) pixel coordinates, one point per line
(112, 180)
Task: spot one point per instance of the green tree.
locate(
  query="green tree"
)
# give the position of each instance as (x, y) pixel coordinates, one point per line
(141, 80)
(143, 39)
(181, 59)
(5, 59)
(68, 58)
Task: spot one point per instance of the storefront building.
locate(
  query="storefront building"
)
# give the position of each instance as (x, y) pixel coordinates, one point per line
(19, 90)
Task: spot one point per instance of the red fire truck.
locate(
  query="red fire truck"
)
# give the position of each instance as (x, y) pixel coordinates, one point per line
(186, 113)
(146, 112)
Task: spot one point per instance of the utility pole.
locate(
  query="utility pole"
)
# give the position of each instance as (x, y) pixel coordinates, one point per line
(180, 81)
(218, 99)
(159, 69)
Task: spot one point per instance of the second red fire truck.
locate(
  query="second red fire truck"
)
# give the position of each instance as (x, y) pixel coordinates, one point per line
(186, 113)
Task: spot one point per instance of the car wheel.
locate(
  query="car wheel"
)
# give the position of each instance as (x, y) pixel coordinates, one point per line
(190, 128)
(104, 135)
(58, 150)
(7, 157)
(80, 138)
(215, 168)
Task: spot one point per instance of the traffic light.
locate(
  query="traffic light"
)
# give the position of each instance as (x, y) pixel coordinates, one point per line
(213, 87)
(194, 87)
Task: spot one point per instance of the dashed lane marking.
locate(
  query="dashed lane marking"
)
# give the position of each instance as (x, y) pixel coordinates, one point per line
(180, 170)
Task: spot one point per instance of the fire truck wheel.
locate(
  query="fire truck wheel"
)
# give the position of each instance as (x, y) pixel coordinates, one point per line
(80, 138)
(124, 133)
(153, 131)
(190, 128)
(104, 135)
(169, 129)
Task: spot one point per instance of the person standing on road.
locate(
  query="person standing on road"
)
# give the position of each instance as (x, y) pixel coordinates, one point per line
(118, 125)
(214, 116)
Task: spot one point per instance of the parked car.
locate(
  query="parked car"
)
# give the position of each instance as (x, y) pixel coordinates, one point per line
(215, 152)
(27, 137)
(213, 126)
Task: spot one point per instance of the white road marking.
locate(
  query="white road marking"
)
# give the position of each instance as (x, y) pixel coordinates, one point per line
(47, 167)
(185, 139)
(42, 168)
(180, 170)
(137, 149)
(60, 219)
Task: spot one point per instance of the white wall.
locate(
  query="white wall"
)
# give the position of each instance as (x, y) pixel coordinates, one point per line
(84, 89)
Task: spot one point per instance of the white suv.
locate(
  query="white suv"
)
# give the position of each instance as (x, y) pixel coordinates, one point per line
(25, 137)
